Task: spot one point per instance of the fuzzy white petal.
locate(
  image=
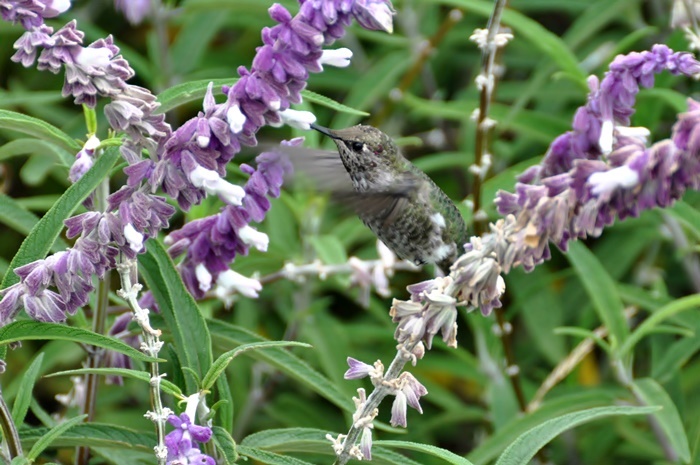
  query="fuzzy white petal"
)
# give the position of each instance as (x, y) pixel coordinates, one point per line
(253, 237)
(236, 119)
(607, 181)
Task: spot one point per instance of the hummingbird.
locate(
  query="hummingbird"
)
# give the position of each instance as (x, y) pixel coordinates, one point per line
(404, 208)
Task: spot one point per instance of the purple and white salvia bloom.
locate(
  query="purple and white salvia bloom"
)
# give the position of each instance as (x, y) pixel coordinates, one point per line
(359, 370)
(188, 163)
(407, 391)
(84, 159)
(600, 171)
(182, 442)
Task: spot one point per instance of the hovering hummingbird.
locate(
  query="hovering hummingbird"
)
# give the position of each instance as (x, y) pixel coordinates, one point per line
(396, 200)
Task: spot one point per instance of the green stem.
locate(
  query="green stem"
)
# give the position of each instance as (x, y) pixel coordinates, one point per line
(9, 429)
(99, 324)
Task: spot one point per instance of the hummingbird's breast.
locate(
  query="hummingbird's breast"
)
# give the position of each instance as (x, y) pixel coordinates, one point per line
(412, 228)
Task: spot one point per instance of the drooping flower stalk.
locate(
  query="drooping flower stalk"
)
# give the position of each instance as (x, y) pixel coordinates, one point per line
(187, 164)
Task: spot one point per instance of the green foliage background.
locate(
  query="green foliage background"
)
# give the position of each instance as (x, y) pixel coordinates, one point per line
(642, 265)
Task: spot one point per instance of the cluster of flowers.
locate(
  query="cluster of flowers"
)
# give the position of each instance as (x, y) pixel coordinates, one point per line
(599, 171)
(186, 164)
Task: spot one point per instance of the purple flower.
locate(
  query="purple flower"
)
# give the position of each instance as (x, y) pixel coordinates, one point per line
(408, 391)
(31, 13)
(215, 241)
(357, 369)
(187, 164)
(181, 442)
(134, 10)
(84, 159)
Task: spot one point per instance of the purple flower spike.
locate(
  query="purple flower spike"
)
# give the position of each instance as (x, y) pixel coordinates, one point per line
(610, 106)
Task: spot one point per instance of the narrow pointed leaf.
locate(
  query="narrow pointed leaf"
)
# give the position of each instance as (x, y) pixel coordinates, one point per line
(526, 446)
(34, 330)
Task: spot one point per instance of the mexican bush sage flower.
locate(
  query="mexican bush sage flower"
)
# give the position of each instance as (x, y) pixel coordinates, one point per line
(188, 163)
(599, 171)
(182, 442)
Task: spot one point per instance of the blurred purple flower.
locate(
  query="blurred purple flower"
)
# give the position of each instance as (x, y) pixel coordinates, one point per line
(31, 13)
(115, 359)
(135, 11)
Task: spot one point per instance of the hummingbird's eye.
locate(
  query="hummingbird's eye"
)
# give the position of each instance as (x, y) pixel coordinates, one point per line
(357, 146)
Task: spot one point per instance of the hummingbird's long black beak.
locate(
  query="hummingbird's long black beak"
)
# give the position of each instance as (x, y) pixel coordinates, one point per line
(324, 131)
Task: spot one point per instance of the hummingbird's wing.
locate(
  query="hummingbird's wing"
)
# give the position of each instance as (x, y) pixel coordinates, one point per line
(326, 171)
(383, 205)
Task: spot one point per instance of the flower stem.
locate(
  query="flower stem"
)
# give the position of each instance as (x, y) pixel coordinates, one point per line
(151, 346)
(99, 323)
(9, 430)
(484, 123)
(374, 399)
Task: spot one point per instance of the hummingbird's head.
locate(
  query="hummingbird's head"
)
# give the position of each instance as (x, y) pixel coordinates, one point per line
(365, 150)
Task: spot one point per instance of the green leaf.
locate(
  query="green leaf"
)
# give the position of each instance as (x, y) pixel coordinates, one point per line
(687, 215)
(329, 249)
(44, 234)
(492, 446)
(225, 412)
(282, 360)
(648, 325)
(53, 434)
(95, 435)
(192, 341)
(24, 395)
(269, 458)
(668, 417)
(526, 446)
(225, 444)
(193, 39)
(35, 146)
(375, 84)
(224, 359)
(583, 334)
(34, 330)
(319, 99)
(39, 129)
(313, 441)
(443, 454)
(165, 385)
(602, 291)
(13, 215)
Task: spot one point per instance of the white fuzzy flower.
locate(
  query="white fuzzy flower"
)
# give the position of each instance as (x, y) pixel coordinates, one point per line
(230, 282)
(236, 119)
(251, 236)
(606, 181)
(214, 184)
(133, 237)
(339, 58)
(203, 277)
(298, 119)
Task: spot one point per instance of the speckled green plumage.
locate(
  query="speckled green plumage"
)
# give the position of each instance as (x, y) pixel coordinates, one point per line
(398, 201)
